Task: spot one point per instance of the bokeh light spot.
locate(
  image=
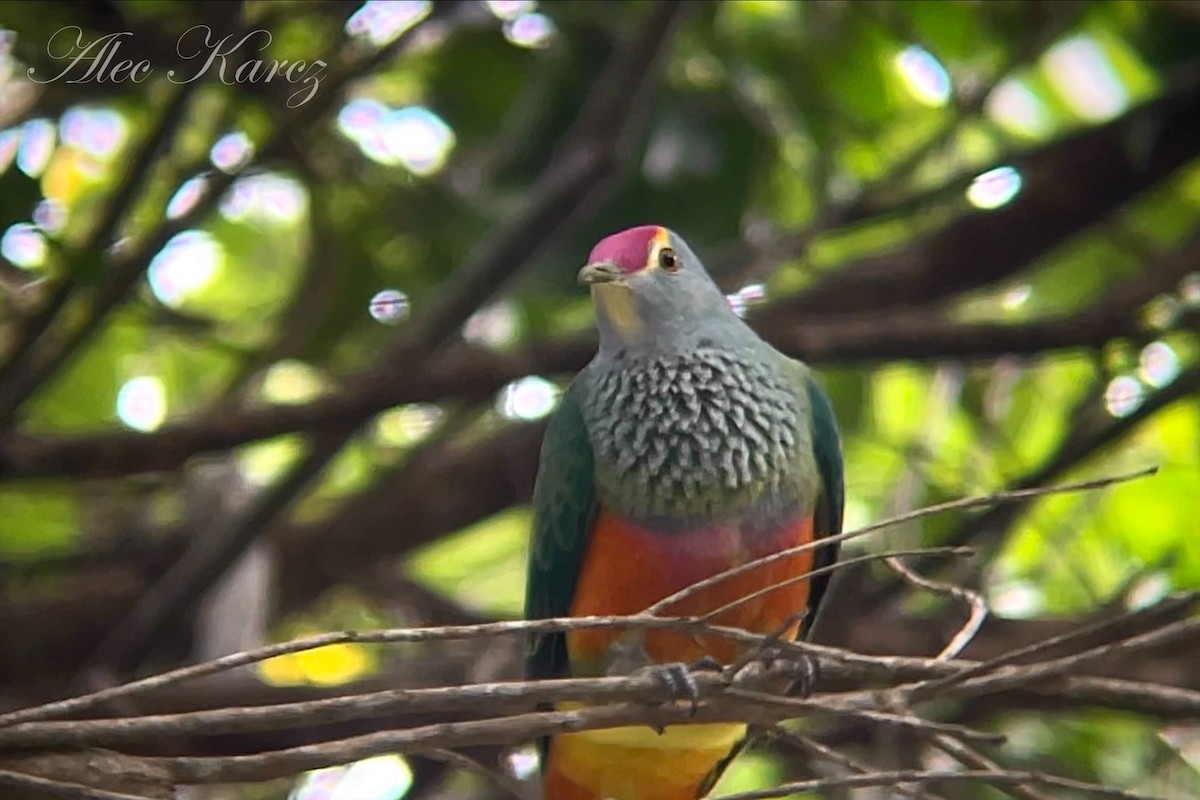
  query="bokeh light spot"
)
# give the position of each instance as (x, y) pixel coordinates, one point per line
(413, 136)
(381, 21)
(1016, 297)
(1015, 599)
(924, 75)
(492, 326)
(419, 139)
(10, 142)
(185, 266)
(1123, 395)
(523, 763)
(510, 9)
(50, 215)
(1148, 590)
(37, 145)
(529, 398)
(1163, 312)
(99, 132)
(1014, 106)
(1157, 364)
(530, 30)
(1189, 289)
(389, 306)
(186, 196)
(142, 403)
(291, 381)
(1084, 78)
(24, 246)
(994, 188)
(401, 427)
(231, 152)
(265, 198)
(746, 298)
(378, 778)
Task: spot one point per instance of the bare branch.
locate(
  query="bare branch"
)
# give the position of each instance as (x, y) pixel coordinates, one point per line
(985, 777)
(812, 746)
(579, 175)
(976, 760)
(974, 601)
(1149, 615)
(982, 501)
(68, 791)
(840, 564)
(496, 775)
(470, 374)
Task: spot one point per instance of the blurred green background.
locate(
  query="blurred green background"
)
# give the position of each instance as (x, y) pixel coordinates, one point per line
(275, 356)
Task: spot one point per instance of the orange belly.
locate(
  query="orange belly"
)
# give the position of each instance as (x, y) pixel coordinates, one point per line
(627, 569)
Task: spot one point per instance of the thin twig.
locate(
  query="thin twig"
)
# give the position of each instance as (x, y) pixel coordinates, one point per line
(974, 601)
(520, 727)
(879, 717)
(970, 757)
(1007, 778)
(576, 177)
(490, 699)
(392, 636)
(964, 504)
(130, 180)
(1153, 612)
(837, 565)
(815, 748)
(1015, 676)
(496, 775)
(21, 782)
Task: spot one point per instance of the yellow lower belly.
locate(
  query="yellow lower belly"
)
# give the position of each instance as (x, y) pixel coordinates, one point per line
(637, 763)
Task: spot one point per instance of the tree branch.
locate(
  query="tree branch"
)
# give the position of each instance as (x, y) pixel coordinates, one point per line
(568, 184)
(472, 374)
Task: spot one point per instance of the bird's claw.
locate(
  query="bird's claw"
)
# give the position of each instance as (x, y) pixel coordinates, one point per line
(794, 674)
(680, 682)
(707, 664)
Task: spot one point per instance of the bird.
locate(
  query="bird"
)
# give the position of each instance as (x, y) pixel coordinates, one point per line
(687, 446)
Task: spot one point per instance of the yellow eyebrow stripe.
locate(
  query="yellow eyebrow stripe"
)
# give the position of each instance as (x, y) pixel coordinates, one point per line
(661, 238)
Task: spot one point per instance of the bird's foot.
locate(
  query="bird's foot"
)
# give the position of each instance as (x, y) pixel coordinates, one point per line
(680, 681)
(793, 674)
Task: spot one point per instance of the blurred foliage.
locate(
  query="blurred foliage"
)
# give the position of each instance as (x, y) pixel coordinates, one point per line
(771, 114)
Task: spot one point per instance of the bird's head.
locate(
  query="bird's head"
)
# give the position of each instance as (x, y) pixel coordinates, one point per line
(650, 289)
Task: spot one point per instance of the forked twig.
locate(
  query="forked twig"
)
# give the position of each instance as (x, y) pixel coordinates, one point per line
(973, 599)
(966, 503)
(841, 564)
(25, 784)
(986, 777)
(815, 748)
(465, 762)
(972, 758)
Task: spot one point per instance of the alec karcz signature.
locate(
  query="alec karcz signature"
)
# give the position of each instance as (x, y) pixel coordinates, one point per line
(100, 61)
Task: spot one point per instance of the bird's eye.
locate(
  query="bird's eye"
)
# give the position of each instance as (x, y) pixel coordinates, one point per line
(668, 260)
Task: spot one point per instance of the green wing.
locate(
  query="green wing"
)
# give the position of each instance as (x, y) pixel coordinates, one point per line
(563, 509)
(827, 448)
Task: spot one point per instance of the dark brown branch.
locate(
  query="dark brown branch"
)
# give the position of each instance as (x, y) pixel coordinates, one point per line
(1067, 186)
(982, 777)
(578, 177)
(42, 787)
(471, 375)
(117, 206)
